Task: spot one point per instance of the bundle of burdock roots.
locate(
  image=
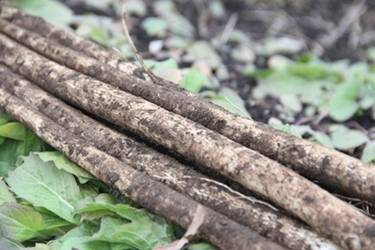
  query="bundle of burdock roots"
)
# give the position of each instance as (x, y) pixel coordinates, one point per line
(90, 104)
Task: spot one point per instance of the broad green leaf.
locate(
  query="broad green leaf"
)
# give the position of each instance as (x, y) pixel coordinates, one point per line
(168, 11)
(177, 42)
(193, 80)
(99, 4)
(314, 72)
(167, 69)
(61, 162)
(272, 45)
(292, 102)
(216, 8)
(229, 99)
(11, 149)
(52, 221)
(243, 53)
(200, 246)
(13, 130)
(140, 234)
(3, 121)
(7, 244)
(344, 138)
(77, 237)
(5, 194)
(39, 246)
(357, 72)
(52, 11)
(323, 139)
(84, 243)
(156, 65)
(137, 7)
(20, 223)
(344, 105)
(202, 50)
(105, 204)
(44, 185)
(368, 153)
(155, 26)
(2, 140)
(290, 129)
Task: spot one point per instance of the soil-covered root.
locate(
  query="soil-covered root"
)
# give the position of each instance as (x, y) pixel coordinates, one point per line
(335, 171)
(247, 211)
(151, 194)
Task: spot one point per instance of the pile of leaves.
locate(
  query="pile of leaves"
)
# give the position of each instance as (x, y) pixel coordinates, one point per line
(47, 198)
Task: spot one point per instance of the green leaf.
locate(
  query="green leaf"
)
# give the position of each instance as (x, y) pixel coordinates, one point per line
(39, 246)
(78, 237)
(6, 195)
(290, 129)
(20, 223)
(61, 162)
(229, 99)
(155, 26)
(193, 80)
(44, 185)
(368, 153)
(140, 234)
(13, 130)
(344, 105)
(202, 50)
(314, 72)
(52, 221)
(137, 7)
(106, 204)
(11, 149)
(323, 139)
(200, 246)
(52, 11)
(344, 138)
(7, 244)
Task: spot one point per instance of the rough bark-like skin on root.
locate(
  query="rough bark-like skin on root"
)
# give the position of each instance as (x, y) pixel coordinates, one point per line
(68, 39)
(150, 194)
(323, 212)
(271, 224)
(335, 171)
